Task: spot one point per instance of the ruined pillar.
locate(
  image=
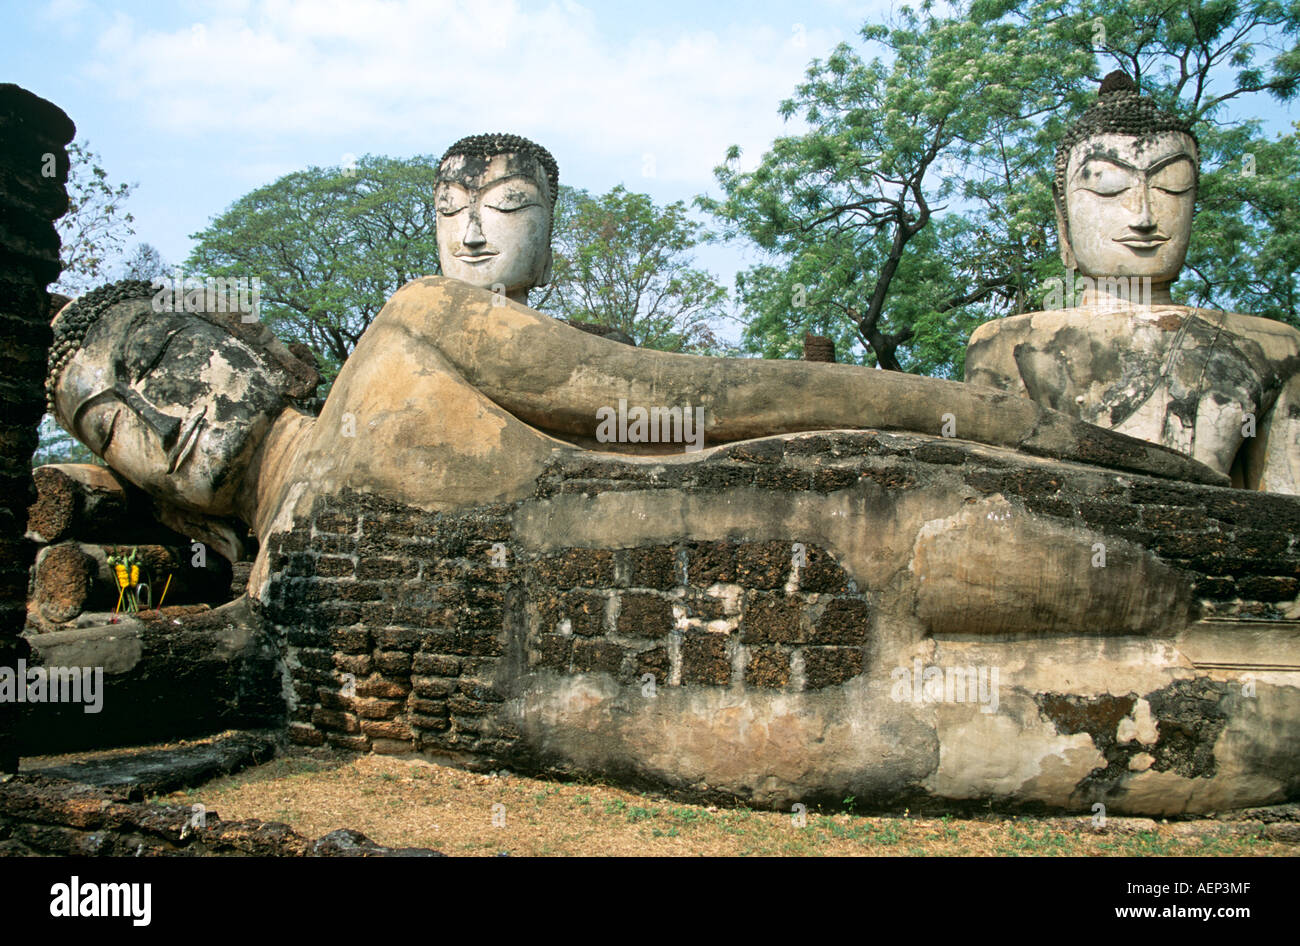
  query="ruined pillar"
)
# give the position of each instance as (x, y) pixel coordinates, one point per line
(33, 172)
(818, 348)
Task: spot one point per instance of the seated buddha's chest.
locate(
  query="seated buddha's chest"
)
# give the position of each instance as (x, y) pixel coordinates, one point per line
(1173, 376)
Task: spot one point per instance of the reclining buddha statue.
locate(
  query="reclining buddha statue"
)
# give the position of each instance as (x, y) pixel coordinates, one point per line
(757, 582)
(457, 393)
(1221, 387)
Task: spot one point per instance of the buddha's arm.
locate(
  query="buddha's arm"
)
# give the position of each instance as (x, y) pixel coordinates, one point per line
(991, 358)
(1273, 457)
(557, 378)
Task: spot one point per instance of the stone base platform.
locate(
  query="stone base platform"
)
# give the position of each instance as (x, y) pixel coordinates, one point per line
(906, 619)
(180, 673)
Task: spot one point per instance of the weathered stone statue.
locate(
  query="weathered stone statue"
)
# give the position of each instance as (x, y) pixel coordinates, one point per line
(496, 206)
(1218, 386)
(180, 403)
(745, 587)
(457, 393)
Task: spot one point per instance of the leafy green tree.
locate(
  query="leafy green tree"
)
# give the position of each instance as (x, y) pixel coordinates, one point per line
(624, 262)
(856, 199)
(918, 201)
(92, 234)
(1246, 250)
(330, 245)
(96, 225)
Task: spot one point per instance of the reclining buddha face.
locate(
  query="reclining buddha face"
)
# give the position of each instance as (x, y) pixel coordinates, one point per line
(1129, 202)
(494, 222)
(174, 402)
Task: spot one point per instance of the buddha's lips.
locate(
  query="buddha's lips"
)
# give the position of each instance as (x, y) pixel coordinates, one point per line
(481, 258)
(1143, 243)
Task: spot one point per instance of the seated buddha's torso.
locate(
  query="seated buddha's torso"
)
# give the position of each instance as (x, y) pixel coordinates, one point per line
(1195, 380)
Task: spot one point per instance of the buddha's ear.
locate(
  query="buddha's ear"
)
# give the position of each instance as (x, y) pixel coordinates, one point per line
(1063, 238)
(546, 271)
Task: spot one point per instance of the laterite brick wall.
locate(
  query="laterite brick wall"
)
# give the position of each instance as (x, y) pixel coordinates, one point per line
(33, 172)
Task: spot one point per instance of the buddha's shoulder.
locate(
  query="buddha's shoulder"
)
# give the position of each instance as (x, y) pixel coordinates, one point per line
(1274, 336)
(424, 292)
(995, 330)
(1048, 321)
(1276, 339)
(1000, 336)
(1120, 321)
(431, 302)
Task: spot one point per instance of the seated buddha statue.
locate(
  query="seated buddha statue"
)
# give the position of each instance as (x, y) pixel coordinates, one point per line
(1221, 387)
(458, 394)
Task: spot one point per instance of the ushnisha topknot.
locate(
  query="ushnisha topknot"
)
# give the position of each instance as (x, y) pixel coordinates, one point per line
(489, 145)
(76, 319)
(1120, 109)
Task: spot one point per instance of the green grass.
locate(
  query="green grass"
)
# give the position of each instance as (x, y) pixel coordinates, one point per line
(607, 819)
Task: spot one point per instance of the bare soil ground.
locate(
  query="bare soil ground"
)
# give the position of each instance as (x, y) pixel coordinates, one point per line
(413, 803)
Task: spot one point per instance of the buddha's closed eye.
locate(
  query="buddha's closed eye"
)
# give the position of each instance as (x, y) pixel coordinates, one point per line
(1106, 180)
(146, 350)
(103, 427)
(1176, 178)
(1109, 180)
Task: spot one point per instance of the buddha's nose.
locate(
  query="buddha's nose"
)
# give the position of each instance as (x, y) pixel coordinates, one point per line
(473, 232)
(163, 425)
(1145, 218)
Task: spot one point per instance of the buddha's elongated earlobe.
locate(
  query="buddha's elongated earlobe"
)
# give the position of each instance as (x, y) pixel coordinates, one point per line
(1063, 239)
(547, 271)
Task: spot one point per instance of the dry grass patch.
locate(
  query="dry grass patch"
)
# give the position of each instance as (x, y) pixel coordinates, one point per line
(412, 803)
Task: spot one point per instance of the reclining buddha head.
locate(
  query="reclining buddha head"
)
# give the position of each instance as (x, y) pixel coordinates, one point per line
(1125, 188)
(177, 402)
(496, 202)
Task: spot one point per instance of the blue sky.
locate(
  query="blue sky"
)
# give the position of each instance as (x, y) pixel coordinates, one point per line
(200, 101)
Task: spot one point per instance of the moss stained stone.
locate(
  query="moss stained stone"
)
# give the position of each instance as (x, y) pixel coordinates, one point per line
(704, 659)
(767, 667)
(444, 646)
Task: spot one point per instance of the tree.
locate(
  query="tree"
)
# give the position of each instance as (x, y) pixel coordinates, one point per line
(1246, 251)
(330, 246)
(145, 263)
(95, 227)
(1209, 61)
(929, 167)
(624, 262)
(56, 445)
(853, 202)
(91, 235)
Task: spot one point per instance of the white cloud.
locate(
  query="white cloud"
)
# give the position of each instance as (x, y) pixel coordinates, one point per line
(63, 16)
(383, 75)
